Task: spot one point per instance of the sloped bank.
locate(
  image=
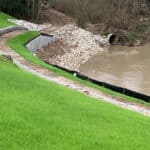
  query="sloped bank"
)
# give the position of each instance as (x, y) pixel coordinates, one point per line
(27, 61)
(112, 87)
(36, 66)
(80, 45)
(47, 116)
(33, 46)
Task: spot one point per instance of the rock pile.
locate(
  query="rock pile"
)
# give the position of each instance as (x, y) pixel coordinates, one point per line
(83, 44)
(30, 26)
(80, 44)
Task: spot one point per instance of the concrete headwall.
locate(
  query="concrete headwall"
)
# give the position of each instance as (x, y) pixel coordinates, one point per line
(39, 42)
(10, 29)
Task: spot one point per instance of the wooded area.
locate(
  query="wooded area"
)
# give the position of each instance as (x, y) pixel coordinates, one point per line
(114, 12)
(23, 8)
(118, 13)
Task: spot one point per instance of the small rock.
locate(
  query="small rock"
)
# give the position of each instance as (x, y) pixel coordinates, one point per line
(138, 43)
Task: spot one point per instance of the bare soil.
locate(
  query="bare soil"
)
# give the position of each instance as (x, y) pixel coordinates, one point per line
(52, 51)
(55, 18)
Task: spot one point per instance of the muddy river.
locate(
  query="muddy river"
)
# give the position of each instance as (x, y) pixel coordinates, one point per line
(127, 67)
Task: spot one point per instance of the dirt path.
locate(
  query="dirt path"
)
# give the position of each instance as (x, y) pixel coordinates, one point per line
(48, 75)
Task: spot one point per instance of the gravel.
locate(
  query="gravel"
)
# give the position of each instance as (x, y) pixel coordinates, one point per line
(30, 26)
(83, 44)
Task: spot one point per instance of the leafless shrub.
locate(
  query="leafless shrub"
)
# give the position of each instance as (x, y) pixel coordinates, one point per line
(118, 13)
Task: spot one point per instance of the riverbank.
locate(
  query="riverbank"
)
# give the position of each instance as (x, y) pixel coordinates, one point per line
(135, 33)
(55, 112)
(136, 36)
(38, 116)
(28, 62)
(130, 21)
(73, 47)
(70, 50)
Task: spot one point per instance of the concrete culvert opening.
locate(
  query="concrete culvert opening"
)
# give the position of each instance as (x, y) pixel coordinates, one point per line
(112, 38)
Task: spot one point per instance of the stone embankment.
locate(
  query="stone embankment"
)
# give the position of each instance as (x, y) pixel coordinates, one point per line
(48, 75)
(80, 45)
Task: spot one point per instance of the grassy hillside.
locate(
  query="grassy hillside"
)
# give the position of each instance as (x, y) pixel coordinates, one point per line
(4, 20)
(36, 114)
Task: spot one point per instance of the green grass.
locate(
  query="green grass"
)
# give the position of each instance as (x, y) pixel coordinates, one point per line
(39, 115)
(17, 44)
(4, 20)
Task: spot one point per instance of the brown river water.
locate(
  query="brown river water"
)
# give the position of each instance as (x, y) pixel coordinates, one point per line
(127, 67)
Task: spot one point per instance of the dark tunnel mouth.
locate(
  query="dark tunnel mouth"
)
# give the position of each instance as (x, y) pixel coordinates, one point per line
(112, 38)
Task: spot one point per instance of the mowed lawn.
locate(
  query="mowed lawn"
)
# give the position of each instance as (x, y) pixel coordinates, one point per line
(4, 20)
(39, 115)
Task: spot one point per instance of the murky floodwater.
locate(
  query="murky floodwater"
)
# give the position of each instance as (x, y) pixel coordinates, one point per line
(123, 66)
